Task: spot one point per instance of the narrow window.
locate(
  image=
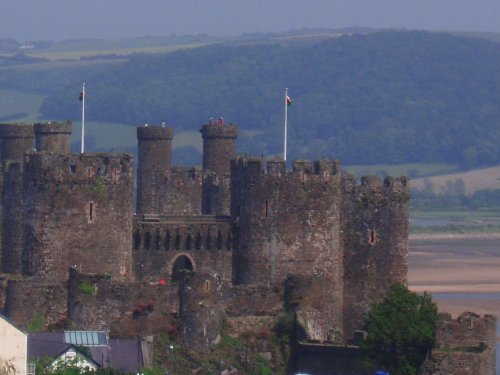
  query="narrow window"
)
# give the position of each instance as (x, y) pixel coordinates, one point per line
(115, 175)
(207, 286)
(72, 168)
(91, 212)
(372, 237)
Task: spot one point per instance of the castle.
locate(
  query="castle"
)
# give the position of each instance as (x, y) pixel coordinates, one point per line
(232, 243)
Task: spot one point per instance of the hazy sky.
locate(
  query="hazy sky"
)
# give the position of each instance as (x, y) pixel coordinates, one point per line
(65, 19)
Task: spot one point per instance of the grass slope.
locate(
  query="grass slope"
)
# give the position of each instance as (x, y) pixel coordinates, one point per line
(480, 179)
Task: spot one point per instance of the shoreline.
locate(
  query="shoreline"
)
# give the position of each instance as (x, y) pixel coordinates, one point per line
(452, 236)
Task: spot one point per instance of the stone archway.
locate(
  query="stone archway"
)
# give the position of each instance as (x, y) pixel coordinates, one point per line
(182, 268)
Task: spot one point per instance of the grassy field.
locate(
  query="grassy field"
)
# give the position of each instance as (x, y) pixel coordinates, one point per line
(75, 55)
(16, 106)
(486, 178)
(114, 137)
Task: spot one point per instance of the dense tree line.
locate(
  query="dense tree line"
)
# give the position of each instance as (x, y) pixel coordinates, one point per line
(387, 97)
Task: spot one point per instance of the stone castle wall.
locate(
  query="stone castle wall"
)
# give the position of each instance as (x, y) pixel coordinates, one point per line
(205, 240)
(36, 301)
(464, 346)
(126, 309)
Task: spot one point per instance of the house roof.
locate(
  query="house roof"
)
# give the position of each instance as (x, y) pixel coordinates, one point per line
(12, 324)
(46, 344)
(124, 355)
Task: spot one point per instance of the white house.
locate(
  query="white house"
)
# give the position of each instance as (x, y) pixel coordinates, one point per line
(13, 346)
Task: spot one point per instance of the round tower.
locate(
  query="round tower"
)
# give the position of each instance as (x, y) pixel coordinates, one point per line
(219, 147)
(155, 157)
(16, 139)
(53, 137)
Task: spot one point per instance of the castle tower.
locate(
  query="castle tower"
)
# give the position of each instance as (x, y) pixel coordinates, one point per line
(219, 148)
(16, 139)
(374, 220)
(78, 214)
(288, 225)
(155, 157)
(53, 137)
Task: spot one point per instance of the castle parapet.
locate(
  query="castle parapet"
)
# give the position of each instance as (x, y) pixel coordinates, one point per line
(16, 139)
(53, 136)
(77, 168)
(154, 133)
(469, 340)
(254, 166)
(374, 185)
(214, 131)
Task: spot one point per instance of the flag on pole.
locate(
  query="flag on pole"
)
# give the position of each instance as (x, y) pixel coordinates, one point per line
(288, 101)
(80, 98)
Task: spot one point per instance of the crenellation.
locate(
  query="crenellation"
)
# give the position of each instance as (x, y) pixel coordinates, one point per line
(53, 136)
(276, 167)
(43, 167)
(15, 140)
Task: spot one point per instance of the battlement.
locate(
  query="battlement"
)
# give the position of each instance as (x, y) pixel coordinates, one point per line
(214, 131)
(16, 130)
(47, 167)
(469, 330)
(53, 127)
(302, 169)
(53, 136)
(145, 133)
(376, 185)
(16, 139)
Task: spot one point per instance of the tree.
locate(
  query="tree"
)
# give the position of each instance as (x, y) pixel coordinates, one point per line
(7, 367)
(401, 331)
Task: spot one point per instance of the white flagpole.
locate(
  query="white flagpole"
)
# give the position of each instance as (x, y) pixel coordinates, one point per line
(83, 117)
(286, 122)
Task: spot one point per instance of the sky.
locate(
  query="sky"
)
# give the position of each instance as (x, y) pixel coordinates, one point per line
(29, 20)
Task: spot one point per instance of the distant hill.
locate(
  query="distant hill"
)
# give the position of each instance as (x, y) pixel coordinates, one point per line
(385, 97)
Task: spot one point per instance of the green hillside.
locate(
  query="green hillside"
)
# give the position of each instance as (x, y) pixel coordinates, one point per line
(388, 97)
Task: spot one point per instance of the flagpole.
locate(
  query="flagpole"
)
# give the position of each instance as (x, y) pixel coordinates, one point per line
(286, 123)
(83, 117)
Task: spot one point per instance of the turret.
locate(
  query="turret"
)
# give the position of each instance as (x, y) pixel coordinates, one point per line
(374, 221)
(53, 137)
(155, 156)
(219, 148)
(16, 140)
